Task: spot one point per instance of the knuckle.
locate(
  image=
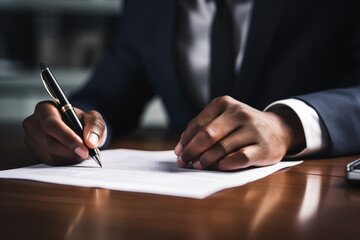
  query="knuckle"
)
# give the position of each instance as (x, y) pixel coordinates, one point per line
(195, 125)
(26, 123)
(240, 112)
(210, 132)
(224, 100)
(207, 135)
(244, 158)
(41, 106)
(223, 147)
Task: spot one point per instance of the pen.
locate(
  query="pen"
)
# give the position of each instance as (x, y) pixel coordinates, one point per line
(66, 109)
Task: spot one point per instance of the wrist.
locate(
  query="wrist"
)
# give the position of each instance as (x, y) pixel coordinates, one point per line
(292, 129)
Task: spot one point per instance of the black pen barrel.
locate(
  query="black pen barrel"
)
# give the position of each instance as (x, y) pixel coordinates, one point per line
(73, 122)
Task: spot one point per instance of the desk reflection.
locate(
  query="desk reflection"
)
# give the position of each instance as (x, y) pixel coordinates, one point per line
(90, 221)
(311, 199)
(284, 205)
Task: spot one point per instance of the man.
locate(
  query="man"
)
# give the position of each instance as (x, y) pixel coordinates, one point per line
(304, 53)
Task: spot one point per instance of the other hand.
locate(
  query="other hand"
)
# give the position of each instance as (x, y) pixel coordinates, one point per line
(230, 135)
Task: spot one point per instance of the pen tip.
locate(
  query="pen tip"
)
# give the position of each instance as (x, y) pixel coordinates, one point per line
(42, 66)
(97, 159)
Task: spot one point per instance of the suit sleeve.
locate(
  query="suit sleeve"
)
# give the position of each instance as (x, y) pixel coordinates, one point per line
(339, 109)
(119, 86)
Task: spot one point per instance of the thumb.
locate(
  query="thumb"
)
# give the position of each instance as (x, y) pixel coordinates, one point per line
(95, 131)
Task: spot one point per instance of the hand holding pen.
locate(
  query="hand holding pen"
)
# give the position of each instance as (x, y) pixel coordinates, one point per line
(51, 141)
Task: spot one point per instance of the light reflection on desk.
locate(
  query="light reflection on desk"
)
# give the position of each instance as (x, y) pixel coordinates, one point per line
(90, 220)
(290, 204)
(311, 199)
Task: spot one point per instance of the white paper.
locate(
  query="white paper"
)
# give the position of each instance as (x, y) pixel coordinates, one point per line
(143, 171)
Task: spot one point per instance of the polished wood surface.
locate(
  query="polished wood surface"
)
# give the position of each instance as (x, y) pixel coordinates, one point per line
(308, 201)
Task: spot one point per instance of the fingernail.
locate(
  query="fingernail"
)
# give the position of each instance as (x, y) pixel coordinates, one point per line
(197, 165)
(81, 152)
(178, 149)
(94, 139)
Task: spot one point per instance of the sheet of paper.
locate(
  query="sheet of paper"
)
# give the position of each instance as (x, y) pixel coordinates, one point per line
(143, 171)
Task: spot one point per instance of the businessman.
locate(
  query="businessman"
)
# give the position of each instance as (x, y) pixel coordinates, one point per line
(247, 82)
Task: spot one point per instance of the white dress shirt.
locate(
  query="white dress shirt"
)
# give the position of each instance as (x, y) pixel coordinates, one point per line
(193, 48)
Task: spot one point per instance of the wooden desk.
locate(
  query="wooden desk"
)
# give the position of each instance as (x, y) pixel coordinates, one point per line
(309, 201)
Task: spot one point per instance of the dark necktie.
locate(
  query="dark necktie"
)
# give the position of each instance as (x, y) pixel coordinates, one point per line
(222, 51)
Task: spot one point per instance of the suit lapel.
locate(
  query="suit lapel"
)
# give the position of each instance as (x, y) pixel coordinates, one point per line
(265, 18)
(170, 88)
(173, 84)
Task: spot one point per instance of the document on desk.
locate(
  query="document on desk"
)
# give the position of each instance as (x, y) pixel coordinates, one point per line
(143, 171)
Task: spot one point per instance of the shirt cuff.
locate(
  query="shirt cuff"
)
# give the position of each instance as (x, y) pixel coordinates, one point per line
(314, 129)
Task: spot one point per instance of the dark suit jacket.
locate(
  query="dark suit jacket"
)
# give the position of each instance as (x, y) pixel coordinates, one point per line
(307, 49)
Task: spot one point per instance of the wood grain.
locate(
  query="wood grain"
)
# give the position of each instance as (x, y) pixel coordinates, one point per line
(308, 201)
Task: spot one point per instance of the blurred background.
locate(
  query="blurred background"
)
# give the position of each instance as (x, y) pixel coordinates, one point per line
(69, 36)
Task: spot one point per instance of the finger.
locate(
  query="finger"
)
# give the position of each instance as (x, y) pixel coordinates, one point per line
(42, 143)
(210, 112)
(35, 150)
(231, 143)
(206, 138)
(252, 155)
(54, 147)
(49, 157)
(243, 158)
(180, 163)
(94, 128)
(222, 126)
(52, 124)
